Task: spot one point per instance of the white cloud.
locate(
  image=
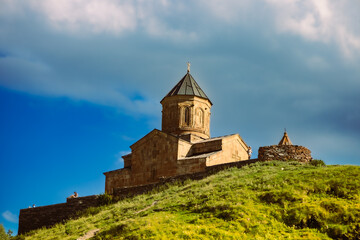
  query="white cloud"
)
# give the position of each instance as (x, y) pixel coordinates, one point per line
(320, 20)
(119, 160)
(314, 20)
(229, 11)
(81, 16)
(158, 28)
(128, 139)
(9, 216)
(123, 153)
(54, 67)
(92, 15)
(104, 16)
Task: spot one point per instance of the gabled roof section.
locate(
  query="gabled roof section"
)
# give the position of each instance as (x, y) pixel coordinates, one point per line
(285, 140)
(187, 86)
(159, 133)
(216, 138)
(204, 155)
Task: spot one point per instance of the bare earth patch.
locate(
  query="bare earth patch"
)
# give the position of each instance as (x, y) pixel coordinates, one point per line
(142, 210)
(89, 234)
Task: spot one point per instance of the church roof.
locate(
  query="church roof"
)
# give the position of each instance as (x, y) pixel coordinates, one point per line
(204, 155)
(285, 140)
(187, 86)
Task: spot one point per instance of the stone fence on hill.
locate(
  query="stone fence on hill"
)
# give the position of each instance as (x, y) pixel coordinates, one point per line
(47, 216)
(284, 153)
(120, 193)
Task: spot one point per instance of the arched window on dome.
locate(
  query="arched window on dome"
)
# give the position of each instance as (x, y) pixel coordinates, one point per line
(199, 117)
(187, 116)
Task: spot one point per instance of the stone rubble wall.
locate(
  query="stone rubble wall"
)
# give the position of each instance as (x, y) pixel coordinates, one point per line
(284, 153)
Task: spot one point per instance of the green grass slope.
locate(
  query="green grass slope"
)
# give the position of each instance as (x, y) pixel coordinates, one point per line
(269, 200)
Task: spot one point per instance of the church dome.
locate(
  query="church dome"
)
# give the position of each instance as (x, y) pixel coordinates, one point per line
(186, 109)
(187, 86)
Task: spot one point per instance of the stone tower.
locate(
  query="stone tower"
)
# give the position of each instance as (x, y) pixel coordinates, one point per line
(186, 110)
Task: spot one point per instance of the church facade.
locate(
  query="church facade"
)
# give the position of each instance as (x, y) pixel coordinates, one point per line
(182, 146)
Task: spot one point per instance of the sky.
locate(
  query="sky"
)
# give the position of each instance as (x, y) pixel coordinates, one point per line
(81, 81)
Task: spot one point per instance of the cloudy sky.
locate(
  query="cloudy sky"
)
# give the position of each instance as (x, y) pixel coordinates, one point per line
(81, 80)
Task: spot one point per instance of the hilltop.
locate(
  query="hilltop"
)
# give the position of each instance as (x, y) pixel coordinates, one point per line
(265, 200)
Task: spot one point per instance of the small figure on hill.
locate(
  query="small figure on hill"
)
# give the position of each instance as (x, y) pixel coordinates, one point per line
(75, 195)
(34, 206)
(249, 152)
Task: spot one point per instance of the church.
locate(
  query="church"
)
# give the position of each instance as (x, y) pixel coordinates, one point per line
(182, 146)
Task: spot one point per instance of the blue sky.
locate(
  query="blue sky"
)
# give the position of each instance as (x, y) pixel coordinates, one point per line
(80, 81)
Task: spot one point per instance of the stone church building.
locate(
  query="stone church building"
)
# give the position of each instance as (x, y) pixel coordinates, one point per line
(182, 146)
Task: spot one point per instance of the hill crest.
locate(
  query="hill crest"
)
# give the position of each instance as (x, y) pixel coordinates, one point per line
(268, 200)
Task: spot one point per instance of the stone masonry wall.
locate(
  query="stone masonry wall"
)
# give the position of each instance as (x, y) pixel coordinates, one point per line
(153, 156)
(284, 153)
(46, 216)
(121, 193)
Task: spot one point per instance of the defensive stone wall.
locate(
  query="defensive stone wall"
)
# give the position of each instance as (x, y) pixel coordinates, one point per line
(46, 216)
(284, 153)
(120, 193)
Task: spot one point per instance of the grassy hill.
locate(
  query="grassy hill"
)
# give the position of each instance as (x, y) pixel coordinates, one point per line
(269, 200)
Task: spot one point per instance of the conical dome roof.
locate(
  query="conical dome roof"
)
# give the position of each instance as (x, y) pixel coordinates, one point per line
(285, 140)
(187, 86)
